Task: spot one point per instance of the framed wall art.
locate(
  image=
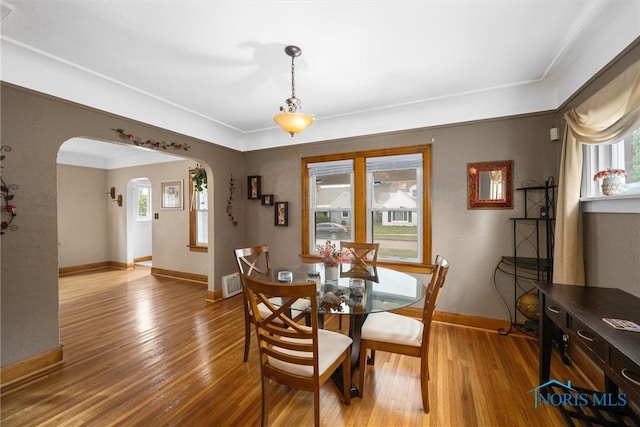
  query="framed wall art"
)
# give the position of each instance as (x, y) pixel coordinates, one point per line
(253, 184)
(282, 214)
(171, 194)
(267, 199)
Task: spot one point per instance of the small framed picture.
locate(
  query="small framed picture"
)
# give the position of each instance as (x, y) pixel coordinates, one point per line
(267, 199)
(253, 184)
(282, 214)
(171, 194)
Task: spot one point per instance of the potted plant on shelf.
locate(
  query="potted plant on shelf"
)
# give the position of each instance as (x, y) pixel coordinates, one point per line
(612, 180)
(331, 258)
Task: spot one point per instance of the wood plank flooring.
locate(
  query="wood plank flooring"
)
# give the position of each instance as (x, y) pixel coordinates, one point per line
(141, 350)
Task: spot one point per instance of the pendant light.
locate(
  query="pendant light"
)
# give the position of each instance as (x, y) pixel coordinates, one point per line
(291, 119)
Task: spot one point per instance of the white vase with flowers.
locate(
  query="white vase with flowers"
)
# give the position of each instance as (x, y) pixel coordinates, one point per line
(331, 258)
(613, 181)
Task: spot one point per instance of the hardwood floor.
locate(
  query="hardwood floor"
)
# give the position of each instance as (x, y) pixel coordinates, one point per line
(145, 350)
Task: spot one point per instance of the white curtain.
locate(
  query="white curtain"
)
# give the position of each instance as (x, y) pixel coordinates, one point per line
(605, 117)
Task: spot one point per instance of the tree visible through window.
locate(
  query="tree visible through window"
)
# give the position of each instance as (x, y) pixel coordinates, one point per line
(198, 210)
(623, 154)
(143, 196)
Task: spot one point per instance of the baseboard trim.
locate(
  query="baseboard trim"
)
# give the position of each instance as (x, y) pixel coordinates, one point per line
(93, 266)
(214, 296)
(180, 275)
(458, 319)
(142, 258)
(30, 366)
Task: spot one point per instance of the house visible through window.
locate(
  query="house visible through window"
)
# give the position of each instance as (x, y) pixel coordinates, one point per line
(379, 196)
(198, 216)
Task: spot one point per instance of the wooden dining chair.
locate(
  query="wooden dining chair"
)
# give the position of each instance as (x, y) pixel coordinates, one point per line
(296, 355)
(255, 261)
(400, 334)
(364, 257)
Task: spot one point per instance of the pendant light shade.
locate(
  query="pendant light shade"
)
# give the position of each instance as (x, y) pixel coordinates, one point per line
(291, 119)
(293, 122)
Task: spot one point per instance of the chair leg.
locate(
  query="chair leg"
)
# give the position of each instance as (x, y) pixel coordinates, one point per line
(247, 337)
(265, 402)
(316, 407)
(424, 384)
(362, 368)
(346, 377)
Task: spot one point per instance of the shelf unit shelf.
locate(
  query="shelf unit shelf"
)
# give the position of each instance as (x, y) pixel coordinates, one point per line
(532, 257)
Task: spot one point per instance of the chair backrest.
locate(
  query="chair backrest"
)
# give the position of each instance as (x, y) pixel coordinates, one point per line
(437, 281)
(288, 350)
(253, 261)
(364, 257)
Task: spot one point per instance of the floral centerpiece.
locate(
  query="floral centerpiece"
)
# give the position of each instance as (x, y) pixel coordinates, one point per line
(331, 256)
(612, 180)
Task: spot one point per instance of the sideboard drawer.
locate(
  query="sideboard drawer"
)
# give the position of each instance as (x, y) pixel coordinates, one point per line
(627, 370)
(556, 312)
(589, 338)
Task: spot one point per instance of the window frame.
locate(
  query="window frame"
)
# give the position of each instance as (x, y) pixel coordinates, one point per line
(138, 185)
(194, 246)
(360, 200)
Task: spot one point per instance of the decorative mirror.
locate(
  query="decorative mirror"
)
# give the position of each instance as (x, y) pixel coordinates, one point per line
(490, 185)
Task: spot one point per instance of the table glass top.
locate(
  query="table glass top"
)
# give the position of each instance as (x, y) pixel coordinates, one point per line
(345, 295)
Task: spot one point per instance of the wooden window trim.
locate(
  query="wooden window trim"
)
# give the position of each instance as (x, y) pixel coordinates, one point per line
(193, 238)
(359, 202)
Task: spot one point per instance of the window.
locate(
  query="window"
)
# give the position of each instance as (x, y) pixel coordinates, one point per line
(198, 217)
(379, 196)
(143, 200)
(624, 154)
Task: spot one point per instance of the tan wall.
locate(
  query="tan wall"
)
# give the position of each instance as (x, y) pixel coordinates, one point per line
(473, 240)
(34, 126)
(82, 216)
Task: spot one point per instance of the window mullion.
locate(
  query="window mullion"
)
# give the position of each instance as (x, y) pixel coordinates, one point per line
(359, 199)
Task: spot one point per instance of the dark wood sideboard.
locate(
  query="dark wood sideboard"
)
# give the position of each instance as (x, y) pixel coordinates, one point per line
(578, 312)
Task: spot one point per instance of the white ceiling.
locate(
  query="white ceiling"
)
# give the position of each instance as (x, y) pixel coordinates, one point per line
(217, 70)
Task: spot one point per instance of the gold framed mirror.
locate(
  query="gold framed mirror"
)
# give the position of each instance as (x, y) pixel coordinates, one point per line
(490, 185)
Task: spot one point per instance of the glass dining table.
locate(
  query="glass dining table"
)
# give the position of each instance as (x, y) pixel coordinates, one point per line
(356, 298)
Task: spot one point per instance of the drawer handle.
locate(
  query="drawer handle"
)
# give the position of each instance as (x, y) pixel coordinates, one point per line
(624, 374)
(585, 336)
(553, 310)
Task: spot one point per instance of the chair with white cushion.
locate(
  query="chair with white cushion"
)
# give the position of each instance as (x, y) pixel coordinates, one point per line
(400, 334)
(300, 356)
(254, 261)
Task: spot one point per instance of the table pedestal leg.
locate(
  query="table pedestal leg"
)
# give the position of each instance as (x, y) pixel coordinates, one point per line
(355, 328)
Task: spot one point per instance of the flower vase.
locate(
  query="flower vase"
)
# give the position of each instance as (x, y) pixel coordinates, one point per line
(612, 185)
(331, 273)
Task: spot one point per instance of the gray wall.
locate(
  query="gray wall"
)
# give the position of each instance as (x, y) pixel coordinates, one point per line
(612, 251)
(472, 240)
(34, 126)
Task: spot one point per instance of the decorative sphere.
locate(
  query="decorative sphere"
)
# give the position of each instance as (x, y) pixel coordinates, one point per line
(529, 305)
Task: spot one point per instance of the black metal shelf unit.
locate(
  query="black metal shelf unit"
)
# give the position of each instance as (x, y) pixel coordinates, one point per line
(532, 258)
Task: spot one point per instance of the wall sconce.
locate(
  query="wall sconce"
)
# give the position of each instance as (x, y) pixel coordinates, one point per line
(112, 192)
(120, 200)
